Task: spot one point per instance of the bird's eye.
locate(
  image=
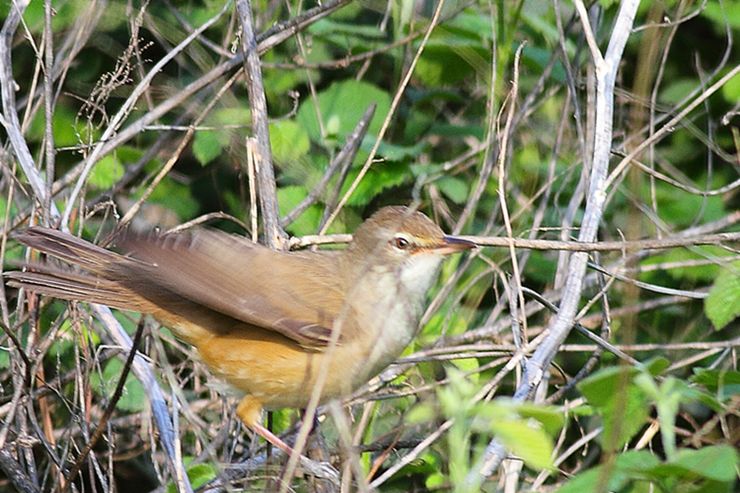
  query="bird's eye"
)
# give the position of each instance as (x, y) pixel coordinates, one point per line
(401, 243)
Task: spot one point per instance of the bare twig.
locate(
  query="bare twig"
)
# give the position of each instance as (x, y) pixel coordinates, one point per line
(275, 237)
(569, 246)
(128, 105)
(102, 424)
(341, 163)
(558, 329)
(15, 473)
(386, 123)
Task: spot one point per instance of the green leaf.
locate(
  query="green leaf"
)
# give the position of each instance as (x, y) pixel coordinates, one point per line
(627, 466)
(716, 463)
(601, 387)
(175, 196)
(623, 417)
(207, 146)
(683, 209)
(551, 417)
(693, 273)
(656, 365)
(133, 397)
(454, 188)
(420, 413)
(721, 14)
(329, 27)
(622, 405)
(435, 481)
(722, 305)
(393, 152)
(726, 382)
(306, 223)
(469, 366)
(731, 89)
(526, 439)
(106, 172)
(64, 127)
(380, 177)
(341, 106)
(289, 142)
(198, 474)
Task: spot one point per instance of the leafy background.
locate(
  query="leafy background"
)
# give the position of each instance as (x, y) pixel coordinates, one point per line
(669, 422)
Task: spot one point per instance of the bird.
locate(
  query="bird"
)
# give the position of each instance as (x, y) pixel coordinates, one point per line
(267, 322)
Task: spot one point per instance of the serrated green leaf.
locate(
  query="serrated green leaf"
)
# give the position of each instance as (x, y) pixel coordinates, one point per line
(722, 305)
(341, 106)
(393, 152)
(380, 177)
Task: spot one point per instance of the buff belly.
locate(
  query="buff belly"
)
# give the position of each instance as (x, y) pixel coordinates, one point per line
(280, 373)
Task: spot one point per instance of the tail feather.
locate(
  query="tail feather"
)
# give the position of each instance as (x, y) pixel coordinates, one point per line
(92, 284)
(68, 248)
(76, 287)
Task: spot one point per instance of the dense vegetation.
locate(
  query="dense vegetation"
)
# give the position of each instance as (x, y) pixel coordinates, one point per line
(484, 118)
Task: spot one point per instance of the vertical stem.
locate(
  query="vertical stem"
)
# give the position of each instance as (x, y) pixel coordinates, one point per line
(275, 237)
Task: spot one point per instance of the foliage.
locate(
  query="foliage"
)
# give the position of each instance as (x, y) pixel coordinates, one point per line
(666, 422)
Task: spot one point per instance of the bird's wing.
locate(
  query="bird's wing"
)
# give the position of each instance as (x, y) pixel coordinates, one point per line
(287, 294)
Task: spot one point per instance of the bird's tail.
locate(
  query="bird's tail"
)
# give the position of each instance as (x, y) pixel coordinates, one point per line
(89, 284)
(69, 248)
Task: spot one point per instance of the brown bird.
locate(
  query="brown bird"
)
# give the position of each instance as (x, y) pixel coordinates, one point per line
(266, 322)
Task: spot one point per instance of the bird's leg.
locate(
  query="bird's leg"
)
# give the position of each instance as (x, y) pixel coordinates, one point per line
(249, 411)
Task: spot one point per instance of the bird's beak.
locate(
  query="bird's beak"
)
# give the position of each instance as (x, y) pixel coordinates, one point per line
(453, 244)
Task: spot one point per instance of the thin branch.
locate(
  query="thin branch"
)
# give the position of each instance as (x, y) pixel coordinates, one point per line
(341, 162)
(569, 246)
(9, 117)
(386, 123)
(125, 109)
(15, 473)
(275, 237)
(670, 125)
(560, 326)
(266, 41)
(102, 424)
